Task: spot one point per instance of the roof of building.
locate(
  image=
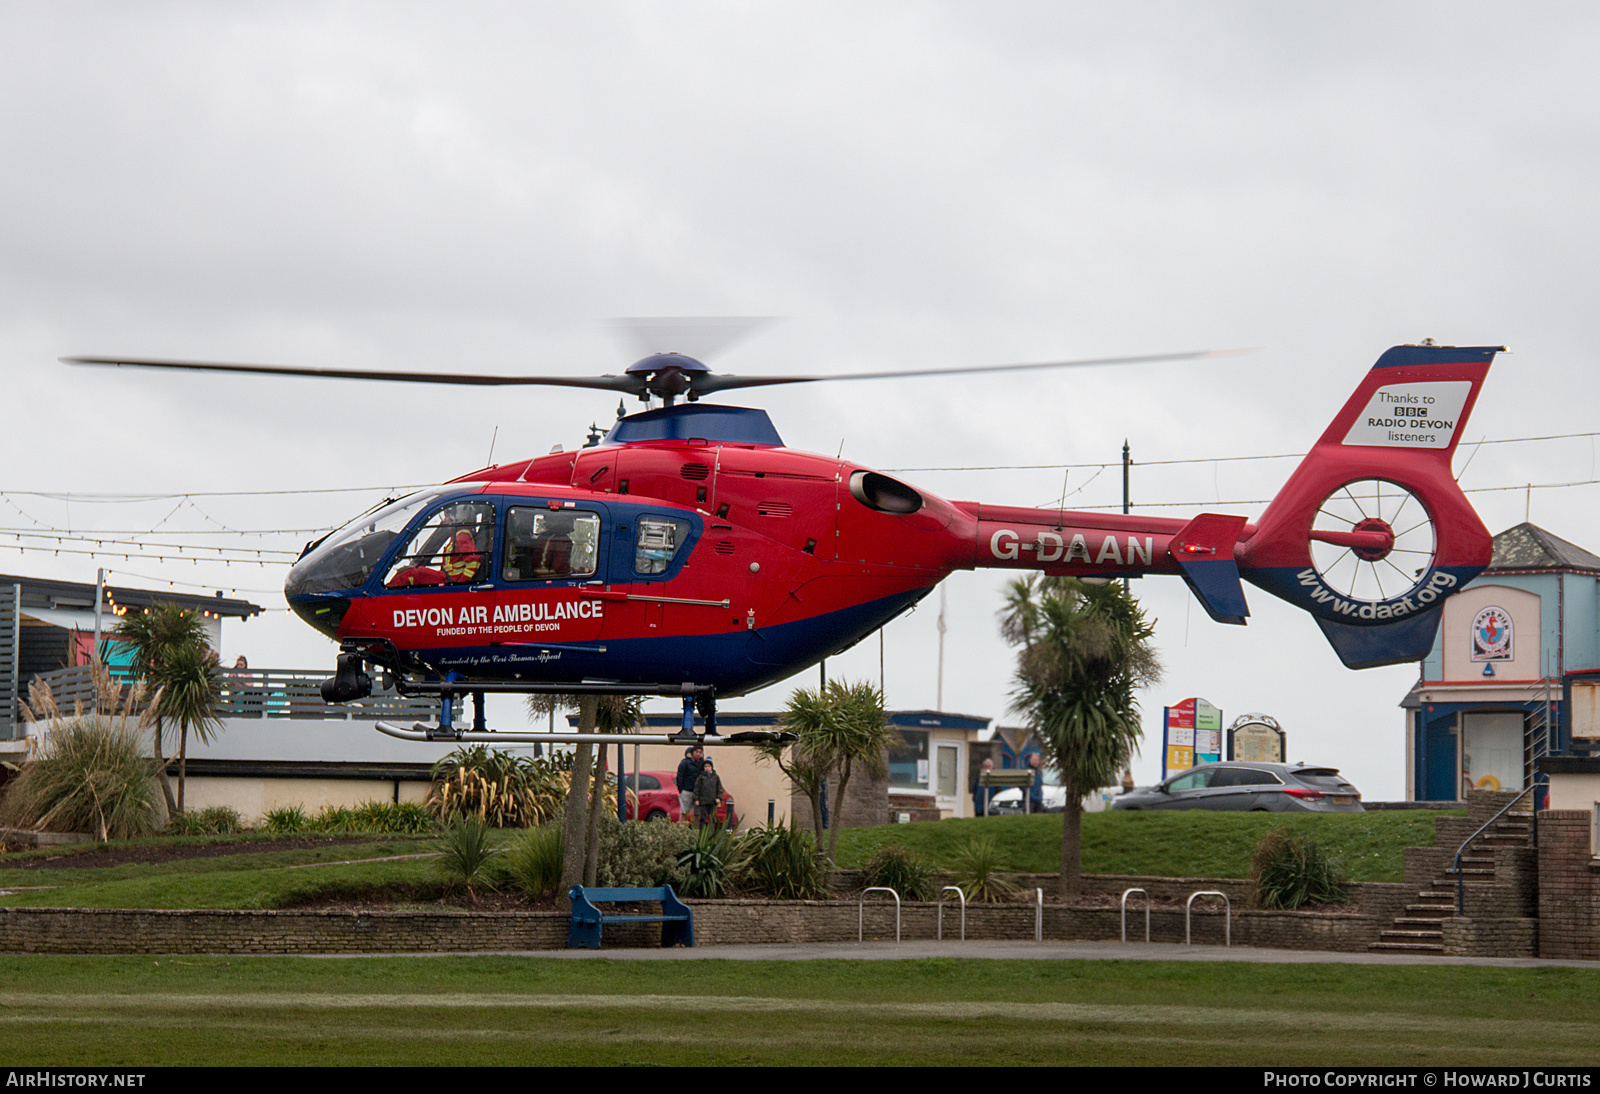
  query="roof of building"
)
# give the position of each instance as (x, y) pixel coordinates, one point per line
(1529, 547)
(39, 592)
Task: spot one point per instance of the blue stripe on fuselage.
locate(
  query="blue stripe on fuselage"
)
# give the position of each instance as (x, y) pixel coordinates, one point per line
(734, 663)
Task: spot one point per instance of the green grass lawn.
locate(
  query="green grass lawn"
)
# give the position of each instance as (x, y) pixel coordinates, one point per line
(1193, 844)
(267, 879)
(131, 1011)
(1188, 843)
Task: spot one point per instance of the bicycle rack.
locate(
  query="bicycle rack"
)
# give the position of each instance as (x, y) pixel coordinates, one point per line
(1125, 894)
(957, 890)
(861, 904)
(1227, 918)
(1038, 915)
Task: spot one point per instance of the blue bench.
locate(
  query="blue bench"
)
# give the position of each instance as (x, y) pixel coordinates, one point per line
(676, 918)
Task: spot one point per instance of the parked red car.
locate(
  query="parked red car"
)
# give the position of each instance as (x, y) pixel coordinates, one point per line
(658, 799)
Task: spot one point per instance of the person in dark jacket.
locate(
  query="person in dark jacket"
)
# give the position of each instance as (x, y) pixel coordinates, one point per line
(688, 771)
(707, 793)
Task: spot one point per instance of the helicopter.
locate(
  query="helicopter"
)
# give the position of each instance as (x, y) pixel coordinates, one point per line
(688, 552)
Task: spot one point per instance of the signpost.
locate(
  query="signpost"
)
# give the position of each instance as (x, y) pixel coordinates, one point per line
(1257, 738)
(1192, 734)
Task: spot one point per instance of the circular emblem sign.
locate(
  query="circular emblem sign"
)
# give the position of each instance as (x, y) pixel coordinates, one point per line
(1491, 635)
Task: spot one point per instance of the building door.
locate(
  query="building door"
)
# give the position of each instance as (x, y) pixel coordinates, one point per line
(946, 775)
(1491, 750)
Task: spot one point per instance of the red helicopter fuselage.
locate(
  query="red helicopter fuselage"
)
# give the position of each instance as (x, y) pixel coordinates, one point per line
(690, 547)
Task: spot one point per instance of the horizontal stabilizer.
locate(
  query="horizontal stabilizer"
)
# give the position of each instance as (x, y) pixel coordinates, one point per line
(1203, 550)
(1385, 644)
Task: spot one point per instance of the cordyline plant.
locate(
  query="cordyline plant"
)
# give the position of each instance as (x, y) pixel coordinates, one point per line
(88, 774)
(1085, 652)
(840, 730)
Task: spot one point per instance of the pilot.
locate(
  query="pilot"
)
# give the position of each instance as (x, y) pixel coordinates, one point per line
(462, 559)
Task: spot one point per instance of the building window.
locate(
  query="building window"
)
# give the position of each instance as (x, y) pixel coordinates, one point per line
(908, 760)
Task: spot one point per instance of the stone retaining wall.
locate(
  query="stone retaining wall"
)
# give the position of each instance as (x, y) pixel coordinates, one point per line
(718, 922)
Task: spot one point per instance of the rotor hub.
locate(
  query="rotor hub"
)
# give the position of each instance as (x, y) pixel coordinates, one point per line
(1374, 553)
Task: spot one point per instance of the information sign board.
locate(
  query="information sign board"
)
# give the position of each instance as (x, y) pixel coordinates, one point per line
(1191, 734)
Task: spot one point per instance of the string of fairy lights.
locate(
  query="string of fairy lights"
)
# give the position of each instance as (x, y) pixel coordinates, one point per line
(163, 543)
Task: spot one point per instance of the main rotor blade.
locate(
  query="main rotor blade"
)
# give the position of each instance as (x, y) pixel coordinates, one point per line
(629, 384)
(705, 385)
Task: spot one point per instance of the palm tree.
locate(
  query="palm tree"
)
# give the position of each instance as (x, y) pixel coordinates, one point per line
(841, 728)
(155, 637)
(1086, 650)
(191, 689)
(580, 854)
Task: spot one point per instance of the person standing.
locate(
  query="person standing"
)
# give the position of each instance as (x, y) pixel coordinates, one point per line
(707, 793)
(1036, 791)
(688, 773)
(980, 793)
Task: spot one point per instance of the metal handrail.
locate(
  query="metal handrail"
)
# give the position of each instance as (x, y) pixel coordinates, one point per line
(861, 904)
(957, 890)
(1227, 915)
(1038, 916)
(1125, 894)
(1461, 881)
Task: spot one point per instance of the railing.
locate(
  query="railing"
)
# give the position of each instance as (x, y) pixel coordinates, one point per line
(1227, 915)
(939, 935)
(1461, 881)
(1126, 893)
(260, 693)
(861, 905)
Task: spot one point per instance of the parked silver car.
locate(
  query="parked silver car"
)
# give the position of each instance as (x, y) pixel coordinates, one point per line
(1237, 786)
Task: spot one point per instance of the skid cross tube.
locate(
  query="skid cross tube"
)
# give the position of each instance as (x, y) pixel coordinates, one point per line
(1126, 893)
(861, 912)
(1227, 915)
(420, 731)
(939, 935)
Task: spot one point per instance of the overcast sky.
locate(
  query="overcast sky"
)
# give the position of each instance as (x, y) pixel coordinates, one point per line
(479, 186)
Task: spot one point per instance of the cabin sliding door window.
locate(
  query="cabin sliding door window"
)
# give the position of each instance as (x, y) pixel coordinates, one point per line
(550, 544)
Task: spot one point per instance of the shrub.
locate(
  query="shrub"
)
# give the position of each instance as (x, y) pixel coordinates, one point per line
(467, 851)
(89, 775)
(1290, 871)
(906, 872)
(503, 790)
(400, 818)
(532, 863)
(286, 818)
(705, 861)
(637, 855)
(978, 873)
(211, 821)
(781, 861)
(335, 819)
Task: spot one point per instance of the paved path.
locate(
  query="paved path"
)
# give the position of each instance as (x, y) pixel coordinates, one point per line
(1020, 951)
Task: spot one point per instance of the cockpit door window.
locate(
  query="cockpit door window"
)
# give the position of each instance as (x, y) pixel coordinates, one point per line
(454, 547)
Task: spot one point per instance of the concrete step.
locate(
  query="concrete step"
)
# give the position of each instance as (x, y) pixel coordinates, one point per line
(1406, 947)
